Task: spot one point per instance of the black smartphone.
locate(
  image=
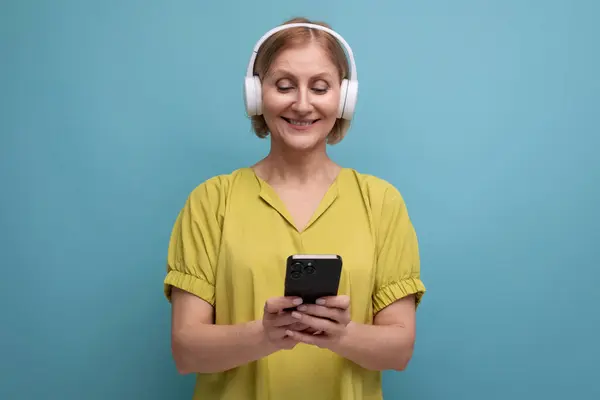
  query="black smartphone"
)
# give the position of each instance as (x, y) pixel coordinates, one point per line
(312, 276)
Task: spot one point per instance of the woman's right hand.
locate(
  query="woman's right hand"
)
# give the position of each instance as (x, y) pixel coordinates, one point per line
(276, 322)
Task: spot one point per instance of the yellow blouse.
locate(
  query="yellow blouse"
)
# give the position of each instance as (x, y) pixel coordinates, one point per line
(229, 247)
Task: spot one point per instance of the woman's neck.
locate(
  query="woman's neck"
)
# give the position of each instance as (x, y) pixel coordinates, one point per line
(297, 168)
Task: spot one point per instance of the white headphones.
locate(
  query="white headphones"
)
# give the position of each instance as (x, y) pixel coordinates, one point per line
(348, 89)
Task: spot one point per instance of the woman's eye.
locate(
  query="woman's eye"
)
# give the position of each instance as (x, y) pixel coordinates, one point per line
(317, 90)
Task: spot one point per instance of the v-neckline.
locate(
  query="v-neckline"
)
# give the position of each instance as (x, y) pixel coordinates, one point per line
(270, 196)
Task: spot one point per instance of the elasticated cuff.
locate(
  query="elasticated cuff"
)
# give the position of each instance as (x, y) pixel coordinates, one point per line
(189, 283)
(397, 290)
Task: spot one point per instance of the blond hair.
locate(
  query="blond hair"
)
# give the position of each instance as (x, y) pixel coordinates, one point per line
(295, 36)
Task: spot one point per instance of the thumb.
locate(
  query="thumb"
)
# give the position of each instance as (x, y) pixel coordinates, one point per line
(276, 304)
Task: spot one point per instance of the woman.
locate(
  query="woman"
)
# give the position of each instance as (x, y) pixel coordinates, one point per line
(230, 242)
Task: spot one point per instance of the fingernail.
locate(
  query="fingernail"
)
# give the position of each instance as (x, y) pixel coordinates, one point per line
(297, 301)
(302, 308)
(320, 302)
(296, 315)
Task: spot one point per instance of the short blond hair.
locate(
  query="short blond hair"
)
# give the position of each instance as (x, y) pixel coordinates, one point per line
(295, 36)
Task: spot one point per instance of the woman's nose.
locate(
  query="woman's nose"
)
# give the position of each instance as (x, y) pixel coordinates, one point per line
(302, 104)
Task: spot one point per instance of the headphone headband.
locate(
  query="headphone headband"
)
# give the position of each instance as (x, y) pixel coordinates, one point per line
(353, 76)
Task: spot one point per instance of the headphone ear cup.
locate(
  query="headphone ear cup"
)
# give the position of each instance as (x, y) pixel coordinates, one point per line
(258, 94)
(351, 98)
(250, 96)
(253, 96)
(343, 93)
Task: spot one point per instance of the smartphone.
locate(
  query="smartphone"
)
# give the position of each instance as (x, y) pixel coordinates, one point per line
(312, 276)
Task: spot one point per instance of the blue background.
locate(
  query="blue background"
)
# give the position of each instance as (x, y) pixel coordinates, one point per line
(485, 114)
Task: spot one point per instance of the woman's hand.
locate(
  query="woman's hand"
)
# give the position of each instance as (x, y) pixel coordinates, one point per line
(277, 322)
(328, 319)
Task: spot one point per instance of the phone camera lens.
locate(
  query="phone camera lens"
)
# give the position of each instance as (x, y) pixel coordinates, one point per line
(296, 275)
(297, 267)
(309, 270)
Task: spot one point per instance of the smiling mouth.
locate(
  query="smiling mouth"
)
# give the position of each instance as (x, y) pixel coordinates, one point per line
(298, 122)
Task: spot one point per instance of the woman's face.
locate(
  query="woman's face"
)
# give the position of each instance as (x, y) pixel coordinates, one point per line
(301, 93)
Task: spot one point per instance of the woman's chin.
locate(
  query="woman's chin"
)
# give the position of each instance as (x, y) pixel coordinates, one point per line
(303, 141)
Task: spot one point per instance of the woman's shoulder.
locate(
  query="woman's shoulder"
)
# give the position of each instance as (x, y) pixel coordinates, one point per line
(218, 187)
(376, 188)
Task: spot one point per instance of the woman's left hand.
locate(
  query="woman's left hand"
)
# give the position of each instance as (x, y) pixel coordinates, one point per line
(328, 319)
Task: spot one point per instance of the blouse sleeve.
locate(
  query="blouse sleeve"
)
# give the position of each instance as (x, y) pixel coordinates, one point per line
(398, 261)
(194, 243)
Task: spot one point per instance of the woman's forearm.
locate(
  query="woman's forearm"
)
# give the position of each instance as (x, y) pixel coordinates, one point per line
(209, 348)
(376, 347)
